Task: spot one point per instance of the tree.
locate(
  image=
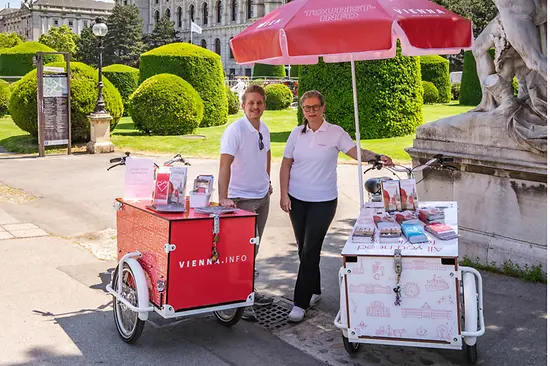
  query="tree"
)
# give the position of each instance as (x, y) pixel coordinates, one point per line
(61, 39)
(163, 33)
(9, 40)
(123, 43)
(87, 47)
(480, 12)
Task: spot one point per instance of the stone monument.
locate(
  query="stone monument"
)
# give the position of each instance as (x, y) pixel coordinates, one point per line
(500, 146)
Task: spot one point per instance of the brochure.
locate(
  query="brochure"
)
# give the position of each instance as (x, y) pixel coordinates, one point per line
(162, 185)
(392, 197)
(138, 179)
(409, 197)
(178, 183)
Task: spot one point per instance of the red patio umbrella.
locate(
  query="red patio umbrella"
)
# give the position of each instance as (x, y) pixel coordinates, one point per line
(301, 31)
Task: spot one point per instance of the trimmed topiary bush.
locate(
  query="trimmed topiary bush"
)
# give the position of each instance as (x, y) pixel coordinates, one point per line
(277, 96)
(199, 67)
(435, 69)
(125, 79)
(165, 104)
(18, 60)
(263, 70)
(431, 94)
(389, 95)
(294, 71)
(470, 89)
(22, 104)
(233, 105)
(5, 93)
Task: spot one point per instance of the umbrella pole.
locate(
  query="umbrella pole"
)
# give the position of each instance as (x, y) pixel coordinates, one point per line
(357, 134)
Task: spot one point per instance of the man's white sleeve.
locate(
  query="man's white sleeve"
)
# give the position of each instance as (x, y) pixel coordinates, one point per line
(229, 143)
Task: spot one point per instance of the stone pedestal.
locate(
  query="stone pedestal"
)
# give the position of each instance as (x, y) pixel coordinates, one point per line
(100, 134)
(500, 187)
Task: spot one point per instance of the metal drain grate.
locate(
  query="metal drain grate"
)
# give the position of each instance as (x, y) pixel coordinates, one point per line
(275, 316)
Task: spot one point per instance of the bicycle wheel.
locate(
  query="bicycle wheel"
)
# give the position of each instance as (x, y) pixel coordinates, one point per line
(229, 317)
(128, 324)
(350, 347)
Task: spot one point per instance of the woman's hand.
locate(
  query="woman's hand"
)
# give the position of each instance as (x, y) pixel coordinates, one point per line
(386, 160)
(285, 203)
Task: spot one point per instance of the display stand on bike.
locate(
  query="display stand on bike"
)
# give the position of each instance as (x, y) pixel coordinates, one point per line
(197, 260)
(400, 288)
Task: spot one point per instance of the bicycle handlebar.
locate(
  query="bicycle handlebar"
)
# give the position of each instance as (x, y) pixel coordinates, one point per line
(438, 160)
(122, 161)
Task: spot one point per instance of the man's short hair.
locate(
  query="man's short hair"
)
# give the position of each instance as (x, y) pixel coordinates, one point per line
(253, 89)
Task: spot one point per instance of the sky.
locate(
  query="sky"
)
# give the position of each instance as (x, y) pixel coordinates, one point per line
(13, 3)
(17, 3)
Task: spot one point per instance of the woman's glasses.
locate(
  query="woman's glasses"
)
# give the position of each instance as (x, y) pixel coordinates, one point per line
(261, 141)
(309, 108)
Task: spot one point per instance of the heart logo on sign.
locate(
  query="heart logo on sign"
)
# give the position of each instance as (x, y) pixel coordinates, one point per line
(162, 185)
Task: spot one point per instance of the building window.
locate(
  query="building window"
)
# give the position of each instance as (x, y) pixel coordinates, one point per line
(56, 22)
(192, 12)
(218, 46)
(156, 1)
(248, 72)
(249, 9)
(157, 16)
(180, 16)
(125, 2)
(230, 50)
(70, 23)
(204, 13)
(85, 24)
(234, 10)
(219, 11)
(203, 43)
(167, 14)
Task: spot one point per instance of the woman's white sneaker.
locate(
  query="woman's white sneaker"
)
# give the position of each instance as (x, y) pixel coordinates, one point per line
(314, 299)
(297, 314)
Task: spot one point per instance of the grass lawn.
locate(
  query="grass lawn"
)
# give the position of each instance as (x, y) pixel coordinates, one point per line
(280, 123)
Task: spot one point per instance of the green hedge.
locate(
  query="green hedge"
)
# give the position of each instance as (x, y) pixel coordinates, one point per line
(125, 79)
(18, 60)
(389, 95)
(435, 69)
(199, 67)
(277, 96)
(431, 94)
(5, 93)
(84, 79)
(294, 71)
(233, 105)
(165, 104)
(470, 89)
(263, 70)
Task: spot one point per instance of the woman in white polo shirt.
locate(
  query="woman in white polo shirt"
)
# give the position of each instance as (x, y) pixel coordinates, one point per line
(309, 191)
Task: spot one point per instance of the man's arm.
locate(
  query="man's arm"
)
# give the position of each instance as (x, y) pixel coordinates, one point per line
(223, 179)
(268, 169)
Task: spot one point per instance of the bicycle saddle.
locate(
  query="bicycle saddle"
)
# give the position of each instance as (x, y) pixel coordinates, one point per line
(373, 185)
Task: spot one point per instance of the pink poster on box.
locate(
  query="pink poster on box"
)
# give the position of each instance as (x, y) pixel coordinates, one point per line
(162, 186)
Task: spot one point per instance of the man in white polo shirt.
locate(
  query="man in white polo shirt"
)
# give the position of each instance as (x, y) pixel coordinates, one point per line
(245, 166)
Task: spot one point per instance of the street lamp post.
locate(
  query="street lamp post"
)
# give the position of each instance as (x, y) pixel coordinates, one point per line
(100, 119)
(100, 30)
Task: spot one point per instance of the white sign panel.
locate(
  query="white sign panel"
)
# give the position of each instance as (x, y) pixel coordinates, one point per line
(427, 311)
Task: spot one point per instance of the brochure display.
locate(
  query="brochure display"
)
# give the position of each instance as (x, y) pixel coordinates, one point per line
(420, 305)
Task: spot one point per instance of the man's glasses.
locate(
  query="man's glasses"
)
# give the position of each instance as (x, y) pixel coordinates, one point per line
(309, 108)
(261, 141)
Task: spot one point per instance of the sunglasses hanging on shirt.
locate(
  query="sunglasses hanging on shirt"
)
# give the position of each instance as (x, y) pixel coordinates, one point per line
(261, 141)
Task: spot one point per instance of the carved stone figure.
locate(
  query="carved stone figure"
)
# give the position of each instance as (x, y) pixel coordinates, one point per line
(518, 35)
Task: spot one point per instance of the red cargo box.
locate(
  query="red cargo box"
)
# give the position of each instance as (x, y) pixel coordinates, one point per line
(187, 274)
